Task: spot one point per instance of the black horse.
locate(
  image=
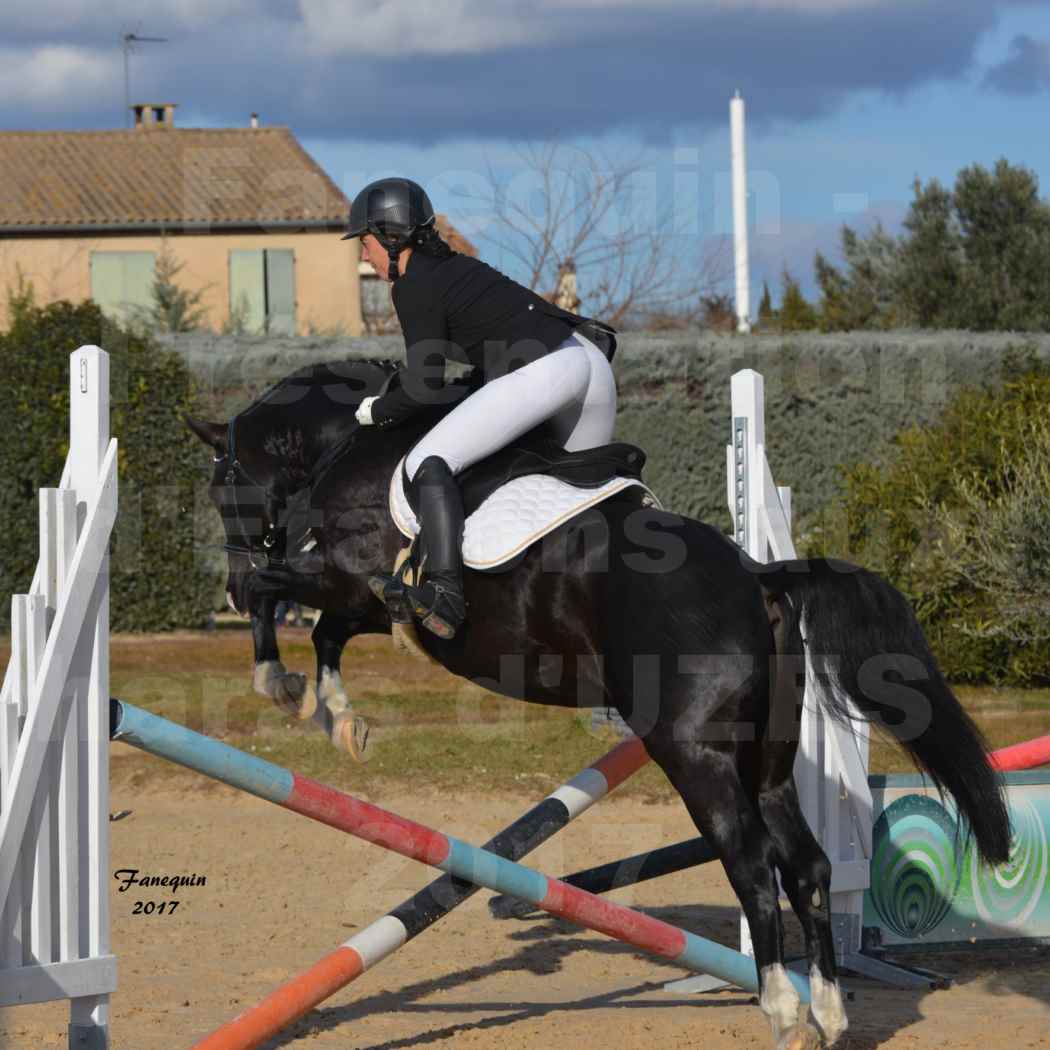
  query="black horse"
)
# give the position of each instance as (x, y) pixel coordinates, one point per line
(661, 617)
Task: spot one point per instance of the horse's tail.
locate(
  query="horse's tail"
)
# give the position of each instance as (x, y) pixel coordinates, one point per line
(865, 642)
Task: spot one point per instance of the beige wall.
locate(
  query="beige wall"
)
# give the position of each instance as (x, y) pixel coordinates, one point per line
(327, 289)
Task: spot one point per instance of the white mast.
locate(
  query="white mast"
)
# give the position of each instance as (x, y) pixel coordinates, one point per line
(743, 273)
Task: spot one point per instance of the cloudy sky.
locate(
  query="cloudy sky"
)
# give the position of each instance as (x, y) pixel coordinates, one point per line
(848, 100)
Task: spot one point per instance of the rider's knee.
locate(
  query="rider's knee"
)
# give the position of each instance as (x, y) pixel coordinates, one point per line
(433, 468)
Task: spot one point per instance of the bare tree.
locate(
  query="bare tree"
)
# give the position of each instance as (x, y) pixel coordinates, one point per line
(635, 264)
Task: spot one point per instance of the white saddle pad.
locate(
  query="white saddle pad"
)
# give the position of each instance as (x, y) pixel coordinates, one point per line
(514, 516)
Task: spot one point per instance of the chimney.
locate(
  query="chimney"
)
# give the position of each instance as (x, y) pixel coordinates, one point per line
(255, 120)
(151, 116)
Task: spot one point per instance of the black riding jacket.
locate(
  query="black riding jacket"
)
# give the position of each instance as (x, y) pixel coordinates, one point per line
(459, 308)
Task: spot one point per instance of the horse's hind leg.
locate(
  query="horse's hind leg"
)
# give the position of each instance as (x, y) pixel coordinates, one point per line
(805, 874)
(711, 786)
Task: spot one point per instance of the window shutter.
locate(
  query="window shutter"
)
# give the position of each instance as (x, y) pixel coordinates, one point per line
(122, 282)
(280, 291)
(248, 290)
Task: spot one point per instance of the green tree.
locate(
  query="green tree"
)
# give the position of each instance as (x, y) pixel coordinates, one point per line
(932, 260)
(834, 296)
(173, 309)
(796, 314)
(864, 296)
(766, 314)
(975, 257)
(1004, 230)
(21, 299)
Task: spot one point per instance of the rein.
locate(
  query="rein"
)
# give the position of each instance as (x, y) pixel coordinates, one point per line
(274, 542)
(236, 475)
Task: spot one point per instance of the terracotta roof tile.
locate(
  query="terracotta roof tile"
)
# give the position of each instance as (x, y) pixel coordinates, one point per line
(453, 238)
(164, 176)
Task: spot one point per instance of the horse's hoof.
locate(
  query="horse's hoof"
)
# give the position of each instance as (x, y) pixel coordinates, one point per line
(289, 693)
(350, 733)
(264, 675)
(800, 1037)
(307, 706)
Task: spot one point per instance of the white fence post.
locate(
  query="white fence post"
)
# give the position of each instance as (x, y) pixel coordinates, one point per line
(831, 769)
(54, 737)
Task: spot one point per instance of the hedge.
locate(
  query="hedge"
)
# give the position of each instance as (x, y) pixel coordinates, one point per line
(159, 581)
(833, 402)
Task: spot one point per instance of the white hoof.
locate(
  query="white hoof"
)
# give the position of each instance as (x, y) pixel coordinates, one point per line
(828, 1011)
(779, 1001)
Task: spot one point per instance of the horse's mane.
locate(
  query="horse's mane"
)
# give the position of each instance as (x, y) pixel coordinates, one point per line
(356, 374)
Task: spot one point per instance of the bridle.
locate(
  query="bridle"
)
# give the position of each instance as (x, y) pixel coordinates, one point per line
(274, 541)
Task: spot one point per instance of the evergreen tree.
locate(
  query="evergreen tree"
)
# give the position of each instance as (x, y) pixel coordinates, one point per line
(929, 277)
(865, 295)
(833, 307)
(173, 308)
(21, 299)
(974, 257)
(796, 314)
(1004, 230)
(766, 314)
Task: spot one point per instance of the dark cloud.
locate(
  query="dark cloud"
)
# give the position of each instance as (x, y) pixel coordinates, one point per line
(1026, 71)
(635, 69)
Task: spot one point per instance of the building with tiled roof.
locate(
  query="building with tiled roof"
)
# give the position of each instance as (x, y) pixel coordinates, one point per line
(252, 220)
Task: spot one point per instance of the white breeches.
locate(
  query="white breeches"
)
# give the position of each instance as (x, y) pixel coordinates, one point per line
(572, 386)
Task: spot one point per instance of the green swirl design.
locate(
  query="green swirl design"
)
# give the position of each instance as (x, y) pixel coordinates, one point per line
(917, 865)
(1006, 895)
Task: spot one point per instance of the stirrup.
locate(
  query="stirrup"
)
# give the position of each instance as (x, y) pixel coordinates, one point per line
(444, 615)
(391, 591)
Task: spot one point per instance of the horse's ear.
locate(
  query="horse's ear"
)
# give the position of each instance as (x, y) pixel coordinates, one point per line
(213, 434)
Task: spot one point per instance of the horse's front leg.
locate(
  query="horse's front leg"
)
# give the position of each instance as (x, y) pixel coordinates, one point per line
(328, 705)
(270, 678)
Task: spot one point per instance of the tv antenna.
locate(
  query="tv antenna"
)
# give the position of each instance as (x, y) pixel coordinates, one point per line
(128, 41)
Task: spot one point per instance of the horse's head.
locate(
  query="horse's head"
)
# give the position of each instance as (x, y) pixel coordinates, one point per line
(248, 490)
(269, 451)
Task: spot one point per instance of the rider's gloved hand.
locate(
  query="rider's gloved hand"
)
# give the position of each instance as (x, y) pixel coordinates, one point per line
(364, 411)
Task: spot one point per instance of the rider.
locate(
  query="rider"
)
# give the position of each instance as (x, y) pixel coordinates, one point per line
(532, 358)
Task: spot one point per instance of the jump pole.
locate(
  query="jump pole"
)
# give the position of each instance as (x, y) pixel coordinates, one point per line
(653, 864)
(382, 938)
(1017, 757)
(400, 835)
(666, 860)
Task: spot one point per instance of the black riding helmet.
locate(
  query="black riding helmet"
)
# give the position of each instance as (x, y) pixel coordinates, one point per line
(391, 210)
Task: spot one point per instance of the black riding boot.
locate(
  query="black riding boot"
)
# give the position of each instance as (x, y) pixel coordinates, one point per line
(439, 601)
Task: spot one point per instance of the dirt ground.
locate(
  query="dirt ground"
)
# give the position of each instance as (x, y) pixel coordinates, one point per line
(281, 892)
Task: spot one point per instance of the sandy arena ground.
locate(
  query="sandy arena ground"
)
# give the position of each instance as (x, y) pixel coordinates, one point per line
(281, 892)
